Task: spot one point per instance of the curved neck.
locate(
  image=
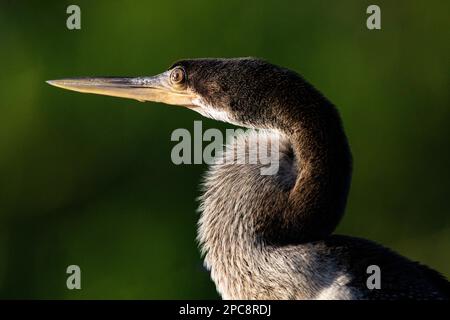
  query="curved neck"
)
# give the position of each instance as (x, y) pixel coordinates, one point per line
(317, 201)
(246, 214)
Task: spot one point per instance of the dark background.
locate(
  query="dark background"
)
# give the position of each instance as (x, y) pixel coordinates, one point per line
(88, 179)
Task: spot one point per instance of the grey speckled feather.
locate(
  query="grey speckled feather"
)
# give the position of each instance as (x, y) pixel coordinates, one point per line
(244, 266)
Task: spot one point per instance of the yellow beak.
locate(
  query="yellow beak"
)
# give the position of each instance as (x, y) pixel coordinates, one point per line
(156, 88)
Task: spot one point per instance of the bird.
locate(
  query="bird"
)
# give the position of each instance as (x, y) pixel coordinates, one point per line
(271, 237)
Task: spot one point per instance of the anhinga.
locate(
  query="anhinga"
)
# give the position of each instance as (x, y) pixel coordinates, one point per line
(270, 236)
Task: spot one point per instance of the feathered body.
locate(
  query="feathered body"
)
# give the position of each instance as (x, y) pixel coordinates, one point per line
(246, 266)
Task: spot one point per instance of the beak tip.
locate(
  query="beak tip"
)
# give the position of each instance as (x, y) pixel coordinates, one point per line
(51, 82)
(58, 83)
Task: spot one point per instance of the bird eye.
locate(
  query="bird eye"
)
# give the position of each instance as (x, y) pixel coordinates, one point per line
(177, 76)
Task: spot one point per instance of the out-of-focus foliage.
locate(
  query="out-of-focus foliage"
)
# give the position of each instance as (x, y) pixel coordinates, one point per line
(88, 180)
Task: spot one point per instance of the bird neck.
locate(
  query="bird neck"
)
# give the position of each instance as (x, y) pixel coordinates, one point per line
(322, 158)
(245, 214)
(303, 201)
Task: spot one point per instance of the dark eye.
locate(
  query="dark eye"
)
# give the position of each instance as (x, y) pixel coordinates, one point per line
(177, 76)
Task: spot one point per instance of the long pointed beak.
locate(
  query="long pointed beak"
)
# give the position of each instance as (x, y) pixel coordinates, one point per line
(156, 88)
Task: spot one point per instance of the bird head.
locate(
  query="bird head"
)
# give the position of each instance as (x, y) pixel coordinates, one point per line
(237, 91)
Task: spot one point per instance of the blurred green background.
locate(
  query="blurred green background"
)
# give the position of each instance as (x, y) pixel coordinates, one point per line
(88, 179)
